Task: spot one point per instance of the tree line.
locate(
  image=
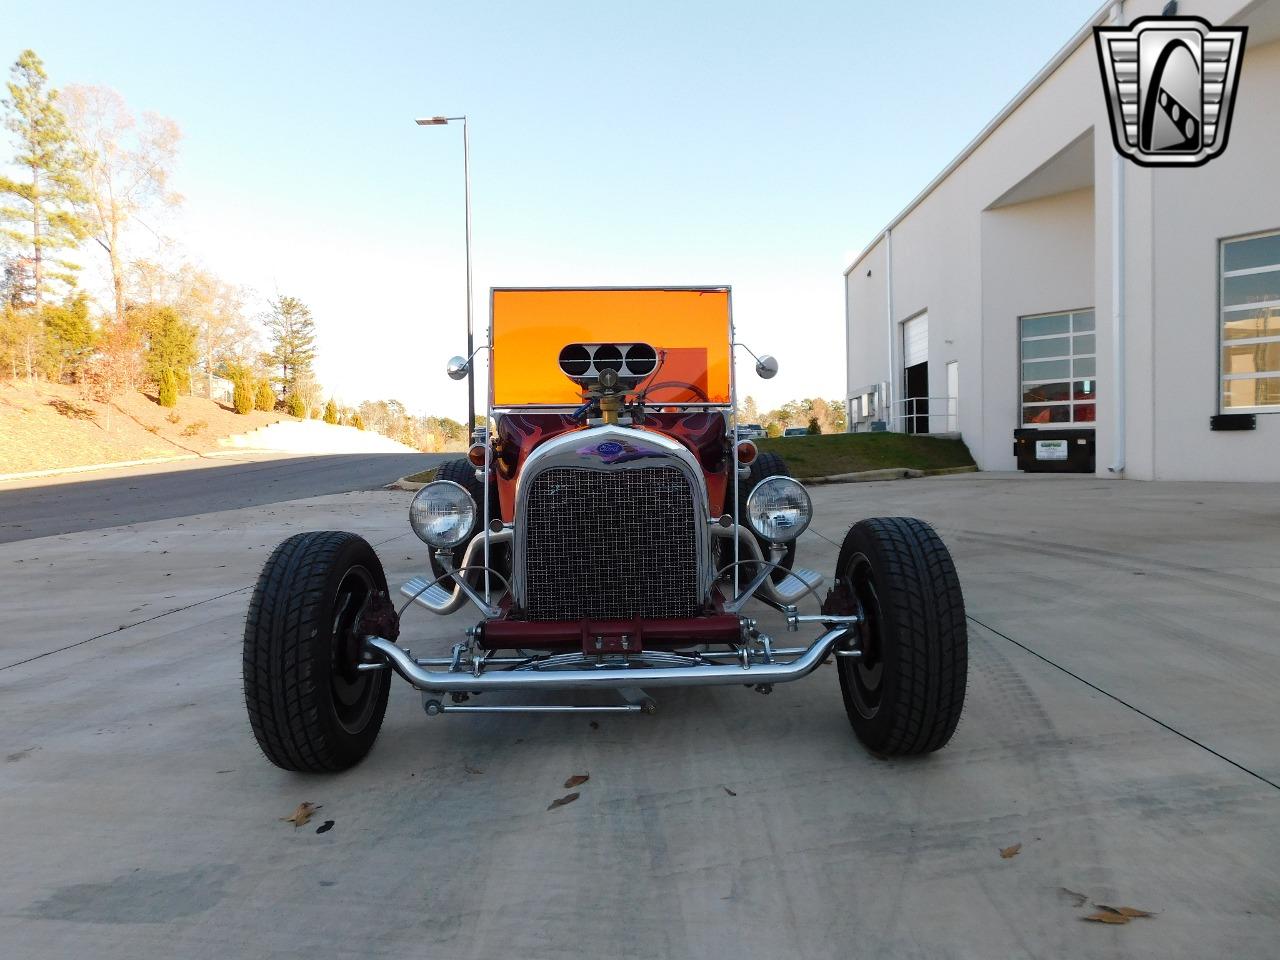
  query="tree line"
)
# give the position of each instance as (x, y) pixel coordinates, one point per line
(815, 415)
(90, 178)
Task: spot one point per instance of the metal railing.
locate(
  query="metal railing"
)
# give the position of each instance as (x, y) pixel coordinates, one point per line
(924, 415)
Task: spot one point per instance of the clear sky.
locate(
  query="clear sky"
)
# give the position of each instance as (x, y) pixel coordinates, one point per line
(756, 144)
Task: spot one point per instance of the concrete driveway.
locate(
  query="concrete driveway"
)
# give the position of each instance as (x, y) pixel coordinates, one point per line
(1121, 726)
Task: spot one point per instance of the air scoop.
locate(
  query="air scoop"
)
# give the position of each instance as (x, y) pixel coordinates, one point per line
(583, 363)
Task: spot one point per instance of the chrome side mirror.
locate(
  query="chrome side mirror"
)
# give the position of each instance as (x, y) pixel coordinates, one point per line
(459, 367)
(766, 367)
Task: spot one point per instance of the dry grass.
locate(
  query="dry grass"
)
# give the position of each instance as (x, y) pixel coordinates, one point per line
(45, 426)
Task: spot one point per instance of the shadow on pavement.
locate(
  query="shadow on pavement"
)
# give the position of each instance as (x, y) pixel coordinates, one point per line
(90, 502)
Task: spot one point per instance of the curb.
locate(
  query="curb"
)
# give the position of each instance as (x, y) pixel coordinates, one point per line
(60, 471)
(891, 473)
(404, 484)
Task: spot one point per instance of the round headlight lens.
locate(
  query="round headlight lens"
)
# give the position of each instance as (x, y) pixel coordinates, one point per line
(442, 514)
(779, 509)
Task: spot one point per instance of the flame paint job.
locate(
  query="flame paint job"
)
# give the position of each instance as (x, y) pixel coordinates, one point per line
(702, 432)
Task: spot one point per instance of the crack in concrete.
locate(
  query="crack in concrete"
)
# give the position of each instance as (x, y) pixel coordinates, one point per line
(159, 616)
(1124, 703)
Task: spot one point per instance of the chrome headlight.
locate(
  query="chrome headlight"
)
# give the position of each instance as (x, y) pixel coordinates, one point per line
(779, 509)
(442, 514)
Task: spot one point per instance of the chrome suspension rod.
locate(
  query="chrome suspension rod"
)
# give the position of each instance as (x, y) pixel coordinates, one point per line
(607, 677)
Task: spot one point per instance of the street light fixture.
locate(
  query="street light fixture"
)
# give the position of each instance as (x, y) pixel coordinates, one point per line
(466, 172)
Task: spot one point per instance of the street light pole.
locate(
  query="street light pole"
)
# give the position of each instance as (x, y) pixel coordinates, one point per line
(466, 173)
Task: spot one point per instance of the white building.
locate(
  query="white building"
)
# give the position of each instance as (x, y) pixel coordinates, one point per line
(1041, 282)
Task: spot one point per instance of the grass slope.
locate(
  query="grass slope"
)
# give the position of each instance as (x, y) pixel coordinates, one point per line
(824, 456)
(44, 426)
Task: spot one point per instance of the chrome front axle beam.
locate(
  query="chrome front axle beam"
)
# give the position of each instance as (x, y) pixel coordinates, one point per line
(610, 674)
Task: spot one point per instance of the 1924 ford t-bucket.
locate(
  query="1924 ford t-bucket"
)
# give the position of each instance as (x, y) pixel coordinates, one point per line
(610, 529)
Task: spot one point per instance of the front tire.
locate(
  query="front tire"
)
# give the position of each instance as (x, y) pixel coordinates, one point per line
(904, 695)
(311, 710)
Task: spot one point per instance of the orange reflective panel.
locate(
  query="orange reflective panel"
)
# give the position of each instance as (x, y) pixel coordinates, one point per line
(688, 328)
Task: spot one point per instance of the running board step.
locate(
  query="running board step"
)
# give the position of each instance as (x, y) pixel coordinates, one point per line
(435, 598)
(797, 583)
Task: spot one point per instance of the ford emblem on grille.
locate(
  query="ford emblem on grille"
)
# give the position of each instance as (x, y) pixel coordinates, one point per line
(619, 451)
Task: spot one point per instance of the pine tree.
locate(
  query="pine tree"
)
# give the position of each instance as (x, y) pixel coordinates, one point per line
(43, 212)
(295, 407)
(331, 412)
(293, 340)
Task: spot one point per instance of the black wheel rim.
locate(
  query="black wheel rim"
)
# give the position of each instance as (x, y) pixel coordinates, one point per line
(354, 693)
(865, 674)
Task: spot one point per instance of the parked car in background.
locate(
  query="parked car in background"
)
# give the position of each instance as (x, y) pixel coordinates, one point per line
(795, 432)
(750, 431)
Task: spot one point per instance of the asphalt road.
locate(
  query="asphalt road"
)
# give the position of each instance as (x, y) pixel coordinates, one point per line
(79, 502)
(1120, 744)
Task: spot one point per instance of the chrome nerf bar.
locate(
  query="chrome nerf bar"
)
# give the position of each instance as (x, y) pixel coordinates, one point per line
(441, 599)
(791, 590)
(606, 676)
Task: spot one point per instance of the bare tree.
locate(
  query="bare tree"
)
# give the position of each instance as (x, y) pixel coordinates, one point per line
(127, 169)
(214, 307)
(118, 366)
(226, 335)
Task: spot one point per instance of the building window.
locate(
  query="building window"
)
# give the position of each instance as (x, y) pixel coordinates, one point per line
(1059, 368)
(1250, 324)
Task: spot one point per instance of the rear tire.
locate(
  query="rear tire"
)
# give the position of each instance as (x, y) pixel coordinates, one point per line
(463, 473)
(311, 710)
(904, 695)
(765, 465)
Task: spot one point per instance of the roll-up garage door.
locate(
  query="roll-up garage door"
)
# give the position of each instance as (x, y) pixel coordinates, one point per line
(915, 340)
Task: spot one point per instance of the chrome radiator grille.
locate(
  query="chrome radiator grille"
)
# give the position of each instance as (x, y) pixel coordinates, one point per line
(613, 544)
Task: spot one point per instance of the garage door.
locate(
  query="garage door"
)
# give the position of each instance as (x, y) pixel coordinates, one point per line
(915, 340)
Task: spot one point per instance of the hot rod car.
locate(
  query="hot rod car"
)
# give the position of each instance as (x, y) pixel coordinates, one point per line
(612, 532)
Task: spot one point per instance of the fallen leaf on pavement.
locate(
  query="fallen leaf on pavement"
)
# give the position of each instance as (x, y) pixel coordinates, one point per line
(1008, 853)
(729, 792)
(595, 725)
(325, 827)
(470, 769)
(1079, 898)
(569, 798)
(1106, 916)
(1129, 912)
(302, 814)
(577, 780)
